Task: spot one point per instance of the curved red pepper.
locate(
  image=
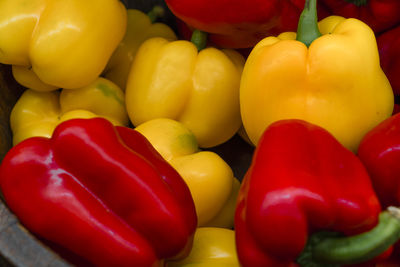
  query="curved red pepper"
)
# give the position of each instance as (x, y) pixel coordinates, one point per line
(380, 15)
(101, 192)
(240, 23)
(380, 152)
(301, 180)
(389, 53)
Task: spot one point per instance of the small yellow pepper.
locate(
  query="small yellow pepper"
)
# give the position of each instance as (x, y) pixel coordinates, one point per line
(336, 82)
(66, 42)
(140, 28)
(26, 77)
(209, 178)
(200, 89)
(38, 113)
(212, 247)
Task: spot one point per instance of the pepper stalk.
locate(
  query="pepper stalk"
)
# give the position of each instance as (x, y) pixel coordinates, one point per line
(155, 13)
(331, 250)
(307, 29)
(199, 39)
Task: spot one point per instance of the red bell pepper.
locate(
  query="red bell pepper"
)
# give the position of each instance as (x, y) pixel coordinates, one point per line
(379, 150)
(389, 53)
(380, 15)
(388, 263)
(240, 23)
(302, 181)
(101, 192)
(396, 109)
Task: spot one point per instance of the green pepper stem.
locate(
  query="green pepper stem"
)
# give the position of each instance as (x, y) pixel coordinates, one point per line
(331, 250)
(199, 39)
(358, 2)
(307, 29)
(155, 13)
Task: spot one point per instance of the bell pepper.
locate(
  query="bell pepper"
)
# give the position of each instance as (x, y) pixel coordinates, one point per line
(302, 192)
(211, 247)
(200, 89)
(140, 27)
(101, 192)
(26, 77)
(327, 74)
(388, 263)
(240, 23)
(380, 15)
(209, 178)
(380, 152)
(389, 46)
(38, 113)
(60, 39)
(396, 109)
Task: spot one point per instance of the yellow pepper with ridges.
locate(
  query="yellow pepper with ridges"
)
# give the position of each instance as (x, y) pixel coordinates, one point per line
(38, 113)
(211, 247)
(199, 89)
(209, 178)
(140, 27)
(336, 82)
(66, 42)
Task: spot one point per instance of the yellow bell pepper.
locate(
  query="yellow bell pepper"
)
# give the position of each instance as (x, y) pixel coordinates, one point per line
(211, 247)
(225, 216)
(336, 82)
(25, 76)
(140, 28)
(38, 113)
(199, 89)
(209, 178)
(66, 42)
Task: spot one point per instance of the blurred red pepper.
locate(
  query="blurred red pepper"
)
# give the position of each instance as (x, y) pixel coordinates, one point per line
(101, 192)
(389, 53)
(380, 15)
(379, 150)
(388, 263)
(301, 181)
(240, 23)
(396, 109)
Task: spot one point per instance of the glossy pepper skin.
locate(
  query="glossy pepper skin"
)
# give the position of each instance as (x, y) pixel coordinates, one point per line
(212, 246)
(199, 89)
(389, 52)
(336, 82)
(139, 28)
(38, 113)
(240, 23)
(380, 152)
(210, 179)
(301, 180)
(60, 39)
(380, 15)
(26, 77)
(102, 192)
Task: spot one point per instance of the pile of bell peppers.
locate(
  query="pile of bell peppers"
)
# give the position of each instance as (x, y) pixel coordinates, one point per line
(38, 113)
(112, 161)
(58, 40)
